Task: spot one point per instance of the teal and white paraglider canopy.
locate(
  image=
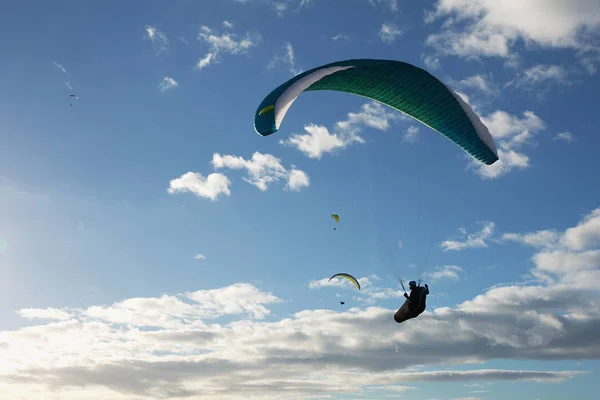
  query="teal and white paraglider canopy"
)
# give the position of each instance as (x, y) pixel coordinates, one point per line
(402, 86)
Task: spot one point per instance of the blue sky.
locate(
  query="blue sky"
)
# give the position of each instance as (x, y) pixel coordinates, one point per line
(152, 245)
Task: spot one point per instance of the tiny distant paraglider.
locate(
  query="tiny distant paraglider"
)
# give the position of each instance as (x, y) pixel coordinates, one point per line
(74, 96)
(337, 219)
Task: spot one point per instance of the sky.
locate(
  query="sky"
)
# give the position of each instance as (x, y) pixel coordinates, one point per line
(154, 246)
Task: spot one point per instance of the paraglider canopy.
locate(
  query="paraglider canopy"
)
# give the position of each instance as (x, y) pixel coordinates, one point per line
(346, 276)
(411, 90)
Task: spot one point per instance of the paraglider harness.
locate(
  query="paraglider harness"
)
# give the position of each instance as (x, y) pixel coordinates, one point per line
(410, 310)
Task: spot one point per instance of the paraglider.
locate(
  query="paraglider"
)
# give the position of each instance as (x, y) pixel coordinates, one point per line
(75, 96)
(347, 276)
(415, 303)
(402, 86)
(337, 219)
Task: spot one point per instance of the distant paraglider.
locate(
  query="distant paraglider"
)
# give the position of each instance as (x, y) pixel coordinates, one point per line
(337, 219)
(74, 96)
(346, 276)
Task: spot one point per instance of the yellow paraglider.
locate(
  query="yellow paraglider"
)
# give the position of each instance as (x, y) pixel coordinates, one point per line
(347, 276)
(337, 219)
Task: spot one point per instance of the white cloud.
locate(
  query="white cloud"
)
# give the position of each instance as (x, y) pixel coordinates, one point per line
(472, 240)
(566, 136)
(297, 180)
(281, 6)
(445, 272)
(510, 133)
(205, 61)
(584, 236)
(48, 313)
(431, 62)
(224, 43)
(160, 42)
(57, 65)
(228, 24)
(318, 140)
(540, 74)
(262, 170)
(210, 187)
(539, 239)
(411, 135)
(492, 28)
(199, 257)
(340, 36)
(288, 59)
(479, 82)
(167, 83)
(240, 298)
(178, 345)
(392, 4)
(389, 32)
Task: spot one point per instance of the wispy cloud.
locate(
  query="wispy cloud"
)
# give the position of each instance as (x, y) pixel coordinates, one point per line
(411, 134)
(318, 140)
(167, 83)
(224, 43)
(470, 240)
(446, 272)
(432, 62)
(389, 32)
(392, 4)
(281, 6)
(263, 170)
(211, 187)
(160, 42)
(46, 313)
(57, 65)
(540, 75)
(480, 83)
(62, 69)
(199, 257)
(228, 24)
(540, 239)
(287, 59)
(566, 136)
(340, 36)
